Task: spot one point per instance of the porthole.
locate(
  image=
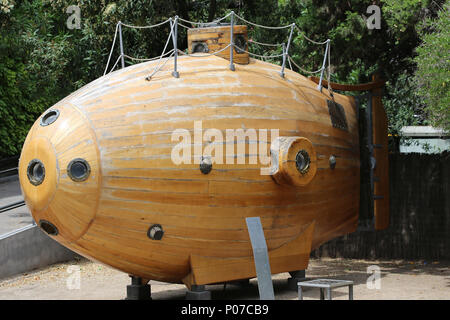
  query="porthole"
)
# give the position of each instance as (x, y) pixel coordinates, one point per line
(78, 170)
(49, 117)
(48, 227)
(36, 172)
(302, 161)
(155, 232)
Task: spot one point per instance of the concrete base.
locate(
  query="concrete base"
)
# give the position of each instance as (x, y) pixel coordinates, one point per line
(198, 293)
(29, 248)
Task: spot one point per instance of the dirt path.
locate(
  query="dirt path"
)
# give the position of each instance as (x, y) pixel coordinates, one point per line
(399, 280)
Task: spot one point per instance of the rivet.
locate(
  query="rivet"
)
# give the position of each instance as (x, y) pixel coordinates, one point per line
(332, 161)
(155, 232)
(205, 165)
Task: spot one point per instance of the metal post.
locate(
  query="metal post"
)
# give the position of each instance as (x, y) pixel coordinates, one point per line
(323, 65)
(328, 293)
(232, 42)
(261, 258)
(174, 37)
(284, 60)
(286, 50)
(350, 292)
(121, 44)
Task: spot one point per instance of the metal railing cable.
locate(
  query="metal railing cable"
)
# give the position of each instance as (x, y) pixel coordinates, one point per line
(308, 39)
(206, 23)
(157, 68)
(260, 25)
(251, 41)
(112, 49)
(146, 27)
(207, 54)
(148, 59)
(258, 55)
(176, 21)
(300, 68)
(115, 64)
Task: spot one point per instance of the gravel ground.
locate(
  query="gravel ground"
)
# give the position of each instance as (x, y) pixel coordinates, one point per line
(403, 280)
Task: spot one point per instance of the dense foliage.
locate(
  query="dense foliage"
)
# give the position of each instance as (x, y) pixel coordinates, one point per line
(42, 60)
(433, 65)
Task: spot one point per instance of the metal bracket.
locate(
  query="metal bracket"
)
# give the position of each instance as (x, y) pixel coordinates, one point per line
(261, 257)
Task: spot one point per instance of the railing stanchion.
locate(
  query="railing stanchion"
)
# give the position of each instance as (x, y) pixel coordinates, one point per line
(284, 59)
(232, 68)
(174, 37)
(323, 65)
(286, 50)
(121, 45)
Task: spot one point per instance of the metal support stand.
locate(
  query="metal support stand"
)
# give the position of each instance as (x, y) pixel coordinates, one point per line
(261, 257)
(325, 284)
(296, 276)
(323, 65)
(198, 293)
(174, 38)
(137, 290)
(232, 68)
(121, 45)
(286, 50)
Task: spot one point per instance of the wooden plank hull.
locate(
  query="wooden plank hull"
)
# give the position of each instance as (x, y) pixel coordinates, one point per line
(122, 125)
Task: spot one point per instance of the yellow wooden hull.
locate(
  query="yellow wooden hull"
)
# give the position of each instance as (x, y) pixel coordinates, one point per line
(121, 125)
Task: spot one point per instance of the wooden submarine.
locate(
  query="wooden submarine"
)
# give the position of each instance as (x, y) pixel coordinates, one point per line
(97, 173)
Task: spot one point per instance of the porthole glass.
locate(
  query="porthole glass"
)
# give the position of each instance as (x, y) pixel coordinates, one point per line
(36, 172)
(78, 170)
(48, 227)
(302, 161)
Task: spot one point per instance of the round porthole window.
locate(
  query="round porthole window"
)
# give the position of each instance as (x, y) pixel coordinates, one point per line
(78, 170)
(36, 172)
(49, 117)
(302, 161)
(48, 227)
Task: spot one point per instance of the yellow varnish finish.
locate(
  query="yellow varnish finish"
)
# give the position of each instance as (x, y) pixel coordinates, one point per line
(122, 126)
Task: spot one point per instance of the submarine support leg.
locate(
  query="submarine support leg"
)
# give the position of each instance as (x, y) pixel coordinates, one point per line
(198, 292)
(296, 276)
(138, 289)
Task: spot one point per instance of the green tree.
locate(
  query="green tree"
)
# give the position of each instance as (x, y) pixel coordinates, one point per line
(433, 68)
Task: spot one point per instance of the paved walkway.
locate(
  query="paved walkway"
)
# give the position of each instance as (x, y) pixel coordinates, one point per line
(16, 218)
